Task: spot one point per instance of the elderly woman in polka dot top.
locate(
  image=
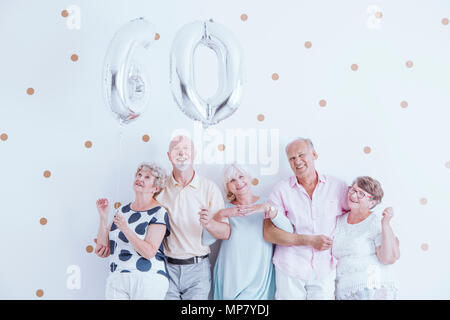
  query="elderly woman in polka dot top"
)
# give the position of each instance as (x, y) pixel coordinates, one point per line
(365, 246)
(134, 240)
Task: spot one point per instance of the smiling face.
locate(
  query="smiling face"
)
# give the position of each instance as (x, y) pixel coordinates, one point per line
(358, 199)
(144, 182)
(239, 183)
(301, 158)
(181, 153)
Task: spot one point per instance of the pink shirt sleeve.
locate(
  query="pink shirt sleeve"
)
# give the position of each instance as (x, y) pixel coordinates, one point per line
(343, 197)
(276, 200)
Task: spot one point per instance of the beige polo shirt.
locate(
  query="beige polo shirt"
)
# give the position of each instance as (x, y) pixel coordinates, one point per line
(183, 204)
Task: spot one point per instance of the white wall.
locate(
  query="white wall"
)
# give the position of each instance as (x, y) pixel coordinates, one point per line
(47, 130)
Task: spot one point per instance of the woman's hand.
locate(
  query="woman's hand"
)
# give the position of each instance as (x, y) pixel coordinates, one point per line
(230, 212)
(388, 213)
(101, 250)
(389, 250)
(120, 222)
(102, 207)
(253, 208)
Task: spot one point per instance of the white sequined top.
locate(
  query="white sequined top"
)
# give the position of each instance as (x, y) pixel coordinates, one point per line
(358, 266)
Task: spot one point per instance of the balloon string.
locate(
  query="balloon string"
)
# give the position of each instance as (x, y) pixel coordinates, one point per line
(119, 169)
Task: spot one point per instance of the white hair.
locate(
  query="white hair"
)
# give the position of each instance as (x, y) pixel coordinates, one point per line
(158, 172)
(228, 173)
(308, 142)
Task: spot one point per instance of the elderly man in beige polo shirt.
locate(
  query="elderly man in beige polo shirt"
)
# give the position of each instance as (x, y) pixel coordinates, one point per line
(185, 195)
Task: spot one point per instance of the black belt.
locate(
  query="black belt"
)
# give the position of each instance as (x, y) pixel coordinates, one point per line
(187, 261)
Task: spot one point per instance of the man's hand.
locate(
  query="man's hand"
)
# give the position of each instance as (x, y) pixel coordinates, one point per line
(321, 242)
(205, 218)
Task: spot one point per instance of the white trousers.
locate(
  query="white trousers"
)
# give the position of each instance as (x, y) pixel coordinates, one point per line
(136, 286)
(288, 288)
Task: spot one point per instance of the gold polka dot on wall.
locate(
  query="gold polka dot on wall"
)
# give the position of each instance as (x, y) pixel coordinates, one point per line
(157, 36)
(30, 91)
(409, 64)
(43, 221)
(145, 138)
(117, 205)
(4, 137)
(39, 293)
(74, 57)
(47, 174)
(404, 104)
(323, 103)
(255, 181)
(354, 67)
(244, 17)
(424, 246)
(65, 13)
(445, 21)
(88, 144)
(221, 147)
(275, 76)
(423, 201)
(260, 117)
(367, 150)
(447, 164)
(89, 249)
(308, 44)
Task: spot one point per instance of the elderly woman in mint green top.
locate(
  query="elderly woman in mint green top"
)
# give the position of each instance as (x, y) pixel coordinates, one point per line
(243, 268)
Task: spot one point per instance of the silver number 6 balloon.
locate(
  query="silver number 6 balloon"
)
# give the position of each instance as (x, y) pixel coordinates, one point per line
(230, 60)
(125, 83)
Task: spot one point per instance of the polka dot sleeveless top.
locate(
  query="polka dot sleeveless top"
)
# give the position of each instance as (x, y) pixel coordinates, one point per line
(124, 258)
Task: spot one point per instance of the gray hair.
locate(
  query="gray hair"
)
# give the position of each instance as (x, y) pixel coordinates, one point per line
(228, 174)
(177, 139)
(308, 142)
(158, 172)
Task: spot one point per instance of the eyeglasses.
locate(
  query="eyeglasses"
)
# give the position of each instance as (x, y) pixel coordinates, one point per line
(359, 193)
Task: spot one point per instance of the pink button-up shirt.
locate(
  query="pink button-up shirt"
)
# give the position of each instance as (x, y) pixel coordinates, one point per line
(316, 216)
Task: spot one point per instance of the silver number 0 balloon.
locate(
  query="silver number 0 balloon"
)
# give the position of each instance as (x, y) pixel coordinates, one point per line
(125, 84)
(230, 60)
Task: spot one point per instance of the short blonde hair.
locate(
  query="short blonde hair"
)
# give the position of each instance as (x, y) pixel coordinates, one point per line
(157, 172)
(371, 186)
(228, 174)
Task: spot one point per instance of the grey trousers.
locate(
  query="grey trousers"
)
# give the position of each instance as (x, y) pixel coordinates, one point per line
(190, 281)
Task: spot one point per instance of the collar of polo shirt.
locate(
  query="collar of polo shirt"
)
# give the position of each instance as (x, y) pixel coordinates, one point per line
(194, 183)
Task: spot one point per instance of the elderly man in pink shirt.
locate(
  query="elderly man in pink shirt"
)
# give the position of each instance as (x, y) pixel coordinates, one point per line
(304, 264)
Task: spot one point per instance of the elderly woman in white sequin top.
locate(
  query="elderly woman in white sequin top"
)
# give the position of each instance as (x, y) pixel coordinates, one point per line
(365, 246)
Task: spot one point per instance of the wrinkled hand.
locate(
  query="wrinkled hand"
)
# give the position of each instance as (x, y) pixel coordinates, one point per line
(321, 242)
(205, 217)
(388, 213)
(253, 208)
(102, 207)
(101, 250)
(231, 212)
(120, 222)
